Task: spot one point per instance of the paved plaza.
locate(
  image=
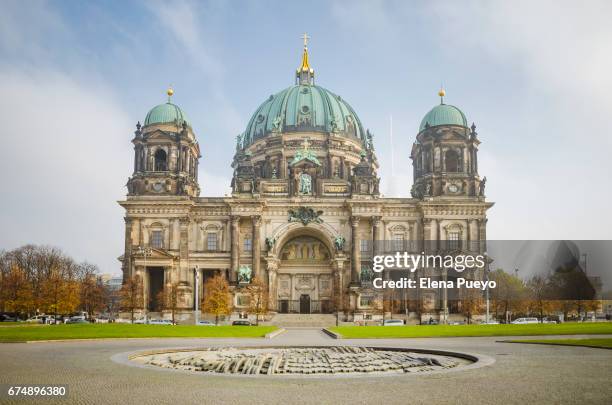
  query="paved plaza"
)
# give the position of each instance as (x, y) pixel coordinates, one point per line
(520, 373)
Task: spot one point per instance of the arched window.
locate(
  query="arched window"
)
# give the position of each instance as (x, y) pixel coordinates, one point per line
(161, 161)
(452, 161)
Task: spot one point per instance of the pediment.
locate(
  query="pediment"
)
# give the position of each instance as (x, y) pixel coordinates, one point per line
(306, 162)
(158, 134)
(155, 254)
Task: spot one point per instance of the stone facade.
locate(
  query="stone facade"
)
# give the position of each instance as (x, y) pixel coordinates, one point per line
(305, 215)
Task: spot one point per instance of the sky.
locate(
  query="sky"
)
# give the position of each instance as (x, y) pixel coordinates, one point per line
(76, 77)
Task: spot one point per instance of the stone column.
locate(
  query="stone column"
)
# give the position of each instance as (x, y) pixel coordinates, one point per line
(414, 235)
(127, 251)
(184, 250)
(235, 247)
(256, 245)
(376, 240)
(272, 284)
(473, 235)
(148, 160)
(338, 286)
(355, 255)
(483, 235)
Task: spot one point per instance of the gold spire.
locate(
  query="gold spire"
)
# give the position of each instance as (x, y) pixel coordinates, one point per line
(170, 92)
(305, 74)
(305, 66)
(441, 93)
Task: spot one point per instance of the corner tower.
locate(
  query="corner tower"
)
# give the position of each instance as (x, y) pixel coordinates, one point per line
(445, 155)
(166, 154)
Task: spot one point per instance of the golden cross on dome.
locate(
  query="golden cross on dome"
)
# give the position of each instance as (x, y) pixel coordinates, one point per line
(305, 37)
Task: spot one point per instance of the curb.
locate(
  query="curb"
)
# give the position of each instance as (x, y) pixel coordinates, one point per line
(553, 344)
(275, 333)
(331, 334)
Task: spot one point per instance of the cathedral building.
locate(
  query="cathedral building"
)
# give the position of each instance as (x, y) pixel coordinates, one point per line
(305, 215)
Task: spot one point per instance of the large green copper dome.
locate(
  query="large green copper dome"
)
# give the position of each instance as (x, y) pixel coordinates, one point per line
(303, 108)
(167, 113)
(444, 114)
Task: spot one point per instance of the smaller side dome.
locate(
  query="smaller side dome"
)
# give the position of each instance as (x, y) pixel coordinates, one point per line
(166, 113)
(443, 114)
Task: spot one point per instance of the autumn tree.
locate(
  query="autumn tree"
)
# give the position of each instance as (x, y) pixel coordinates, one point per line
(259, 299)
(94, 294)
(572, 287)
(340, 301)
(471, 303)
(15, 292)
(131, 295)
(539, 295)
(217, 297)
(509, 295)
(168, 299)
(60, 288)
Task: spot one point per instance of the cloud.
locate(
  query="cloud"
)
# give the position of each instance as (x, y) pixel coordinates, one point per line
(186, 23)
(66, 154)
(562, 48)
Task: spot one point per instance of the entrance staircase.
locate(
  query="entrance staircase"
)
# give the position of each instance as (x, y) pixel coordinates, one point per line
(304, 320)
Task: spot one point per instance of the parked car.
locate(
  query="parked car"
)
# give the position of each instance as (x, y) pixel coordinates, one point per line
(76, 320)
(102, 319)
(44, 319)
(205, 323)
(140, 321)
(522, 321)
(241, 322)
(493, 322)
(160, 322)
(549, 320)
(8, 318)
(393, 322)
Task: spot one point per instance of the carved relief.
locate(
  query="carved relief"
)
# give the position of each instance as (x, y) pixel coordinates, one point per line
(305, 248)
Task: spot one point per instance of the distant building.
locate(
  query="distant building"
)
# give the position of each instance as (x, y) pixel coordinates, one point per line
(112, 281)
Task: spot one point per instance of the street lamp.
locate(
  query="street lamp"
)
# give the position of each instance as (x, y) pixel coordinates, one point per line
(197, 295)
(145, 251)
(487, 290)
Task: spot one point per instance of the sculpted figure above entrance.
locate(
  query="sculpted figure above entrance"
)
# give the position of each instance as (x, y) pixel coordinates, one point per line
(305, 248)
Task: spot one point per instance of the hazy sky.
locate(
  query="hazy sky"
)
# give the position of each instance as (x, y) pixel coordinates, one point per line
(76, 76)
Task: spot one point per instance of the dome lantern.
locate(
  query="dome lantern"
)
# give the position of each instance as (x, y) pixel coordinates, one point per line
(304, 74)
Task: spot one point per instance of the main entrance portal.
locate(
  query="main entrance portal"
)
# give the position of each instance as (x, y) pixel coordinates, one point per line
(304, 304)
(305, 282)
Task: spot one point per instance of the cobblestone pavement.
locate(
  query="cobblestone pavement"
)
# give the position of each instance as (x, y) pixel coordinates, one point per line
(521, 374)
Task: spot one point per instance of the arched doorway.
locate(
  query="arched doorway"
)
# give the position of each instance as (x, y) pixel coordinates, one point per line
(305, 281)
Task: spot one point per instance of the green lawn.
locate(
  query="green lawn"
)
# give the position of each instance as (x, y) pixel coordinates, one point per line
(603, 343)
(419, 331)
(121, 330)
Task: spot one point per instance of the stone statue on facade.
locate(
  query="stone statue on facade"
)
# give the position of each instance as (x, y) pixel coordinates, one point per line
(483, 183)
(276, 124)
(339, 243)
(305, 183)
(238, 142)
(244, 274)
(270, 241)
